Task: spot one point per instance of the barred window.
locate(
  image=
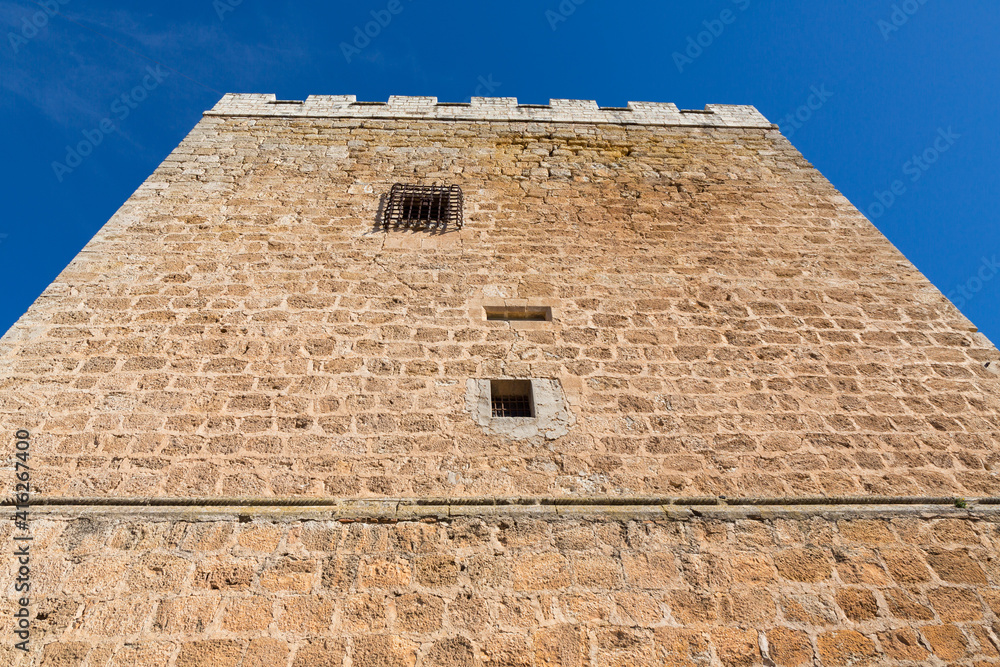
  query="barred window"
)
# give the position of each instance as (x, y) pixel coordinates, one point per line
(511, 398)
(429, 206)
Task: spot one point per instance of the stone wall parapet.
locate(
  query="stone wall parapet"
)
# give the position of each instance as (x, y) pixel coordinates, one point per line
(503, 109)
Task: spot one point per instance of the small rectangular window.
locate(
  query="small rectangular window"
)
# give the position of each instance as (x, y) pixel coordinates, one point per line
(518, 313)
(512, 398)
(430, 206)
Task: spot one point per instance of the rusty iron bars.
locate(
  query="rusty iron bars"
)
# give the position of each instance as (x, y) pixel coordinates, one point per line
(511, 406)
(433, 207)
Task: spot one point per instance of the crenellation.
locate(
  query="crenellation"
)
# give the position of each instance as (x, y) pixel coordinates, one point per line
(491, 109)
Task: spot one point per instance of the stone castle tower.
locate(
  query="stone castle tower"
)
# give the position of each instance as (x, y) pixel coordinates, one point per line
(417, 384)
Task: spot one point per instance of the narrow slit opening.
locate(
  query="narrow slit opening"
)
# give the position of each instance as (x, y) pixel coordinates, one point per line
(518, 313)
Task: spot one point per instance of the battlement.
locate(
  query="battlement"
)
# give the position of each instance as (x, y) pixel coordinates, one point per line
(490, 109)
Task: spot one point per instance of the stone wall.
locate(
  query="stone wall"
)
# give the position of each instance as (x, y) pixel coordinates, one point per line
(584, 587)
(726, 323)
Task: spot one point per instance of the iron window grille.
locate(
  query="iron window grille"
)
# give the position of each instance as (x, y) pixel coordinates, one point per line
(511, 398)
(430, 206)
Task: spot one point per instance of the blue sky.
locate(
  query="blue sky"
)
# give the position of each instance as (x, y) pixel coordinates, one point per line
(905, 96)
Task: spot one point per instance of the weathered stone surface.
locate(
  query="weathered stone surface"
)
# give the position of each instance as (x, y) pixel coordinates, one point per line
(597, 604)
(725, 322)
(320, 653)
(563, 646)
(264, 652)
(857, 604)
(902, 644)
(64, 655)
(803, 565)
(789, 648)
(211, 653)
